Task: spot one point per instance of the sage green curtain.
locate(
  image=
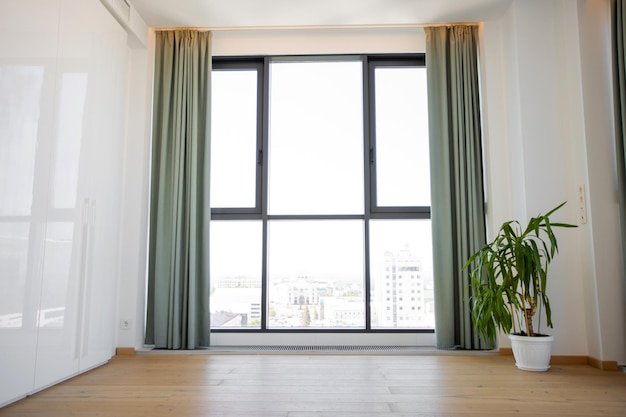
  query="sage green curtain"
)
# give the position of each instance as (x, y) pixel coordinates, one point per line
(618, 34)
(178, 272)
(457, 196)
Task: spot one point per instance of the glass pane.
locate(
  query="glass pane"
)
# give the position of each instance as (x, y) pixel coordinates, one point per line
(316, 274)
(233, 138)
(316, 138)
(235, 254)
(402, 155)
(401, 274)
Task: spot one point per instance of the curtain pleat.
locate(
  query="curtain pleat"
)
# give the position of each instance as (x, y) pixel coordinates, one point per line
(618, 34)
(457, 195)
(178, 274)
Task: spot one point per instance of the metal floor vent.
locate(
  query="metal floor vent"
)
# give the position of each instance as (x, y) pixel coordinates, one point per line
(321, 349)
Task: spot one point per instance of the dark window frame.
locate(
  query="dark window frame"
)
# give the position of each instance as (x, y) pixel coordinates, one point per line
(371, 210)
(242, 64)
(389, 61)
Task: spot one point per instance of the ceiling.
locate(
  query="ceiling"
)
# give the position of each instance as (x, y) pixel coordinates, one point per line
(281, 13)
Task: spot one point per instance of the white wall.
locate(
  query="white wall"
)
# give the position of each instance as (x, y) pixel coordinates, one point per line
(318, 41)
(605, 287)
(133, 244)
(549, 63)
(547, 118)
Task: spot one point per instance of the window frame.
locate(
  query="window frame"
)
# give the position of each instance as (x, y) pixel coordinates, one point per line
(240, 64)
(376, 211)
(371, 210)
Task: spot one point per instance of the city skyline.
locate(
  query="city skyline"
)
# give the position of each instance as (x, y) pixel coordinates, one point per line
(342, 299)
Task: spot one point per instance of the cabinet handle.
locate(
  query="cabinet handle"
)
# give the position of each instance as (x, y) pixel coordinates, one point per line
(85, 212)
(88, 221)
(82, 276)
(92, 213)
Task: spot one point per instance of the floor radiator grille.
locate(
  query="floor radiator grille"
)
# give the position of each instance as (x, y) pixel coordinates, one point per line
(332, 349)
(323, 349)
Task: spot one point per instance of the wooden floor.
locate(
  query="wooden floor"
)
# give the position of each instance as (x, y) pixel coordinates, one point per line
(328, 385)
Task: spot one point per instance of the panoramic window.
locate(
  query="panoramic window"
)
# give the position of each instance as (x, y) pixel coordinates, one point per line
(320, 194)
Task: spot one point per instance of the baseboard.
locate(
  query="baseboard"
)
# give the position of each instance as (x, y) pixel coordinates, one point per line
(604, 365)
(572, 360)
(124, 351)
(505, 351)
(569, 360)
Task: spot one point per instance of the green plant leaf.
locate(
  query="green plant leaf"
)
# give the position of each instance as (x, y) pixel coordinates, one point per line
(509, 275)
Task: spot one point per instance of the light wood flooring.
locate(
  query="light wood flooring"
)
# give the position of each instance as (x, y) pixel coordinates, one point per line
(231, 385)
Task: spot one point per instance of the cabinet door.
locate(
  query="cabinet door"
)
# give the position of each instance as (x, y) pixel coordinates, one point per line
(61, 128)
(105, 113)
(28, 50)
(78, 289)
(58, 346)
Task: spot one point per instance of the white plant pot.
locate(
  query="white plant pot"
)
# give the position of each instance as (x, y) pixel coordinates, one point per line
(532, 353)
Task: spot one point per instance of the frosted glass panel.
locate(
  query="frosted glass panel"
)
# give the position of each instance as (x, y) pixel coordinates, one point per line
(20, 94)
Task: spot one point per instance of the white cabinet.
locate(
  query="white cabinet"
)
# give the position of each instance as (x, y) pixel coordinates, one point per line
(106, 134)
(27, 71)
(62, 91)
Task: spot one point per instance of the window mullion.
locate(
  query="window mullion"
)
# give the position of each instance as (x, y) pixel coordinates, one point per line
(367, 177)
(264, 122)
(369, 127)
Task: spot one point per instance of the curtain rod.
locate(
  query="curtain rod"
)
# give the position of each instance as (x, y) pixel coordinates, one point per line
(313, 27)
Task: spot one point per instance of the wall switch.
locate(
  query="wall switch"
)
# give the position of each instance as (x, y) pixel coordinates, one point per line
(582, 204)
(126, 324)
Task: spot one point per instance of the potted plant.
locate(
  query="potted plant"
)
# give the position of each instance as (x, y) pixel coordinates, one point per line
(508, 280)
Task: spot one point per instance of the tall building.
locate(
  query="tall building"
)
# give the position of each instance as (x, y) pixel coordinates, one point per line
(405, 298)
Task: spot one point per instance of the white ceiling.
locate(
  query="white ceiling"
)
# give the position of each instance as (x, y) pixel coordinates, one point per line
(280, 13)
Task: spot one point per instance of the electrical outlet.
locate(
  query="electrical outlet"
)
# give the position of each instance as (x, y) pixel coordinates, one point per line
(126, 324)
(582, 204)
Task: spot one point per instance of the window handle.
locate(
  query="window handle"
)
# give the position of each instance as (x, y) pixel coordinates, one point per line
(259, 157)
(371, 155)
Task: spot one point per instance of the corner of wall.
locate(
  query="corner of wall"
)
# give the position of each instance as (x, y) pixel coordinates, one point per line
(133, 244)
